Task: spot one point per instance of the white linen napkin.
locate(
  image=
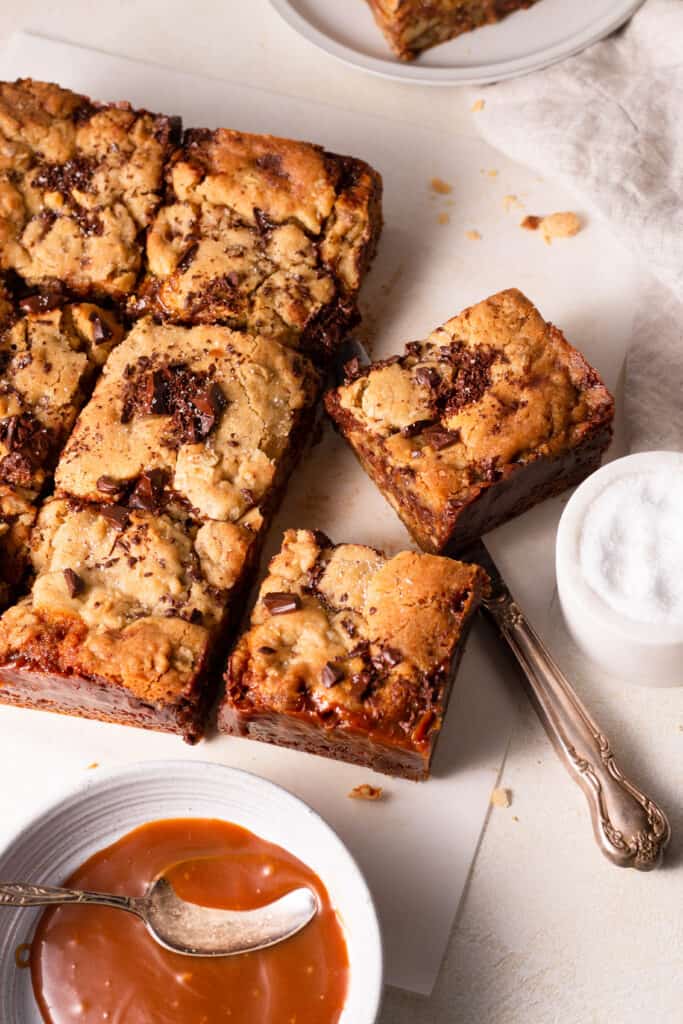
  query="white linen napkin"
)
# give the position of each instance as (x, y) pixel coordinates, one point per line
(608, 124)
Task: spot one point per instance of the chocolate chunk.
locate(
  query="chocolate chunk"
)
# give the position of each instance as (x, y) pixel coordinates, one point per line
(279, 603)
(74, 583)
(187, 257)
(440, 438)
(331, 674)
(428, 377)
(209, 404)
(196, 617)
(351, 370)
(101, 331)
(148, 493)
(16, 468)
(266, 650)
(391, 656)
(233, 279)
(458, 601)
(115, 515)
(107, 485)
(40, 303)
(153, 398)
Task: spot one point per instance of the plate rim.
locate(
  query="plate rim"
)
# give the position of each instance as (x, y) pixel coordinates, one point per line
(456, 76)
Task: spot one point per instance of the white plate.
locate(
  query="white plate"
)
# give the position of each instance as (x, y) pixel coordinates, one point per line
(95, 815)
(525, 41)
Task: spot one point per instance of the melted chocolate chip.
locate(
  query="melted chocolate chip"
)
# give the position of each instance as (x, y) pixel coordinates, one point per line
(428, 377)
(193, 400)
(440, 438)
(266, 650)
(148, 493)
(115, 515)
(107, 485)
(279, 603)
(391, 656)
(40, 303)
(196, 617)
(74, 583)
(187, 257)
(331, 674)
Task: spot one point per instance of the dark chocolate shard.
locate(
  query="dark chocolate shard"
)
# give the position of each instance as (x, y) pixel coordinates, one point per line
(331, 674)
(101, 331)
(148, 493)
(440, 438)
(74, 583)
(428, 377)
(115, 515)
(107, 485)
(279, 603)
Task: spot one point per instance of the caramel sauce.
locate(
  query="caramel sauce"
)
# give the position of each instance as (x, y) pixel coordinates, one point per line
(92, 964)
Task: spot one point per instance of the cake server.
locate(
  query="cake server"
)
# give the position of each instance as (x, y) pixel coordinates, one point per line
(180, 926)
(631, 830)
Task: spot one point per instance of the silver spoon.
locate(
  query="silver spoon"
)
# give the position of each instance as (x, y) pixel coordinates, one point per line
(185, 927)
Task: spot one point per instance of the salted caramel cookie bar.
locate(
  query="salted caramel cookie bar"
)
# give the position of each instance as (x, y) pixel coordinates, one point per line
(80, 182)
(262, 234)
(489, 415)
(352, 654)
(412, 26)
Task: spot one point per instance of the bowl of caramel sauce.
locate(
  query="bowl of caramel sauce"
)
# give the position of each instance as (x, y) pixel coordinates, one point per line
(225, 838)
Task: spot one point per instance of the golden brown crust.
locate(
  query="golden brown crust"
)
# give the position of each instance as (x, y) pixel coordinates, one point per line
(351, 641)
(412, 26)
(79, 181)
(264, 234)
(490, 392)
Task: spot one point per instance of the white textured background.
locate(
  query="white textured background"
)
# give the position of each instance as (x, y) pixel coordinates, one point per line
(549, 933)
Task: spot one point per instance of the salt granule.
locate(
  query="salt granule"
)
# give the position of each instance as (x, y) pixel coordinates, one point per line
(631, 547)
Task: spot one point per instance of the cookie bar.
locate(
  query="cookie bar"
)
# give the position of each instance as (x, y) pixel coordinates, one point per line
(262, 234)
(411, 26)
(48, 361)
(162, 492)
(488, 416)
(122, 616)
(207, 416)
(79, 184)
(351, 654)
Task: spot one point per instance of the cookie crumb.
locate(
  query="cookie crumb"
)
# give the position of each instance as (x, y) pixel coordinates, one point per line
(501, 797)
(554, 225)
(515, 818)
(512, 202)
(94, 764)
(473, 236)
(444, 218)
(478, 105)
(440, 186)
(366, 792)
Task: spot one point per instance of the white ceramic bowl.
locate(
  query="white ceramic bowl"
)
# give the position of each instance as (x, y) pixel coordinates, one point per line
(639, 652)
(61, 838)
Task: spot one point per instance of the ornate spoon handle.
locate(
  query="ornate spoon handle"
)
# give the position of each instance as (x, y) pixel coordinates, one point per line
(21, 894)
(631, 830)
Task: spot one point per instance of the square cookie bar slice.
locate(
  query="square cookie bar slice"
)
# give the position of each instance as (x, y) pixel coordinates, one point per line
(492, 413)
(351, 654)
(204, 416)
(411, 26)
(79, 184)
(123, 615)
(263, 234)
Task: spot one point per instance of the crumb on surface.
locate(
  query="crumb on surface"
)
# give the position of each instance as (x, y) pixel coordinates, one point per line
(474, 236)
(478, 105)
(554, 225)
(444, 218)
(440, 186)
(94, 764)
(515, 818)
(512, 202)
(501, 797)
(366, 792)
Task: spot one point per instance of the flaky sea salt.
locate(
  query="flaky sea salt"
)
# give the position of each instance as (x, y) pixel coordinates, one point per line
(631, 546)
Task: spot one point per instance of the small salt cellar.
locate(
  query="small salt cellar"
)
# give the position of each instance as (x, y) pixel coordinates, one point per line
(619, 564)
